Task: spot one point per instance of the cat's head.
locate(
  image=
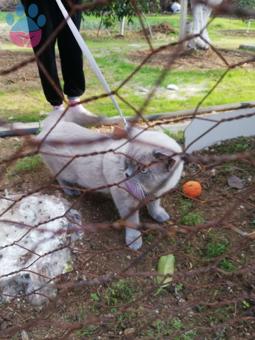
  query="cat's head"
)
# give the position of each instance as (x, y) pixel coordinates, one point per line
(155, 160)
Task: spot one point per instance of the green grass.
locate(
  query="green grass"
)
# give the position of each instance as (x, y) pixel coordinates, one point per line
(192, 218)
(234, 145)
(119, 292)
(215, 249)
(87, 331)
(227, 265)
(125, 319)
(27, 107)
(185, 205)
(90, 22)
(27, 103)
(27, 164)
(187, 214)
(164, 329)
(178, 136)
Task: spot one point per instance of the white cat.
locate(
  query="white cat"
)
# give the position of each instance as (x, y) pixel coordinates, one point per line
(144, 163)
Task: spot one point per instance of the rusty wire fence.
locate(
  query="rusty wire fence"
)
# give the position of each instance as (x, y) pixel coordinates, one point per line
(110, 291)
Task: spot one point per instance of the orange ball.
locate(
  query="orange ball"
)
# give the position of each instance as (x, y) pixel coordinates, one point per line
(192, 189)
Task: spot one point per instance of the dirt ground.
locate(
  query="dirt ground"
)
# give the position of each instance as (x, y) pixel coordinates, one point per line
(163, 28)
(191, 60)
(238, 33)
(212, 295)
(22, 78)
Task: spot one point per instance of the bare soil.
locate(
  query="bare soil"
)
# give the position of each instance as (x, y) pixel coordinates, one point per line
(163, 28)
(238, 33)
(206, 300)
(190, 60)
(22, 70)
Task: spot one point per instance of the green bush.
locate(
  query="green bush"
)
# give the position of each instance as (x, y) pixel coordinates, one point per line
(245, 3)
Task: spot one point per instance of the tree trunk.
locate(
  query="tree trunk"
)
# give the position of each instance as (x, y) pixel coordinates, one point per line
(201, 14)
(183, 19)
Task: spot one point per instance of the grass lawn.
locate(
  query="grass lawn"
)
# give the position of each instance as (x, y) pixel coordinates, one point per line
(25, 101)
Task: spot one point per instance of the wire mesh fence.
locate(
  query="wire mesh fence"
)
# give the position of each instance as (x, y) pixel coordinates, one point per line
(66, 272)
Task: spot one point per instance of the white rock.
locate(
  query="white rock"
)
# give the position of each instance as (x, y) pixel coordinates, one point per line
(33, 235)
(143, 90)
(172, 87)
(24, 335)
(129, 331)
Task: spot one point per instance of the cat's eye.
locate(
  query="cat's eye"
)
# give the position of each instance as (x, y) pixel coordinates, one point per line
(144, 171)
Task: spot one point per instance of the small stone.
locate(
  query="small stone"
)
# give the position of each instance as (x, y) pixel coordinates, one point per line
(128, 257)
(235, 182)
(172, 87)
(213, 172)
(129, 331)
(181, 300)
(24, 335)
(230, 289)
(190, 313)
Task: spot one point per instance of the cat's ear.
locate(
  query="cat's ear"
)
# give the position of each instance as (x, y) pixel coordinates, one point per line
(165, 158)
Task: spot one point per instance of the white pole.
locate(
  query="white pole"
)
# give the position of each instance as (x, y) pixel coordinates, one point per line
(183, 19)
(122, 26)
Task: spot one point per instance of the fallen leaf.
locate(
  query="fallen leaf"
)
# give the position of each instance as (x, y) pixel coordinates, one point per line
(165, 267)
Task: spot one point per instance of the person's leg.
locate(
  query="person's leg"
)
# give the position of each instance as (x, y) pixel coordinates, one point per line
(71, 59)
(47, 59)
(72, 69)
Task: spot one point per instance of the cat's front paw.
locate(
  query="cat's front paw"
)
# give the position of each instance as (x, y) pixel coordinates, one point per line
(133, 239)
(160, 215)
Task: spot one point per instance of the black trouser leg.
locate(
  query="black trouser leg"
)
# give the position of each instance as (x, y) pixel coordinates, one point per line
(70, 53)
(71, 60)
(47, 57)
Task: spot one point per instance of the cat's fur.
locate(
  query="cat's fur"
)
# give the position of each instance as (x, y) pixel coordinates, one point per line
(143, 158)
